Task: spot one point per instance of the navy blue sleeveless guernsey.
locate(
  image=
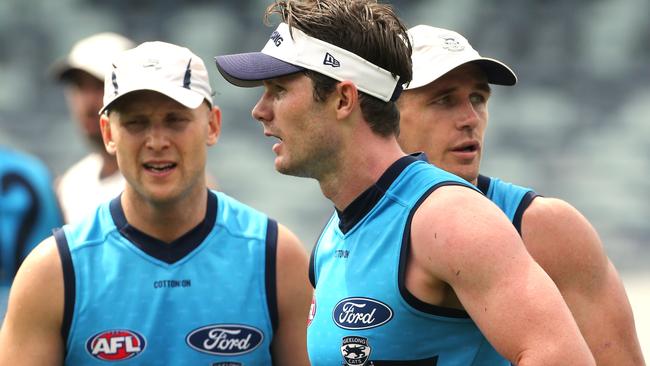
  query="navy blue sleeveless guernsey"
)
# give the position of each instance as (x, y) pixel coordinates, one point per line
(208, 298)
(362, 313)
(513, 200)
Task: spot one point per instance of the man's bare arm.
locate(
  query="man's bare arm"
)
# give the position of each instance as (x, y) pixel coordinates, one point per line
(568, 248)
(464, 240)
(31, 332)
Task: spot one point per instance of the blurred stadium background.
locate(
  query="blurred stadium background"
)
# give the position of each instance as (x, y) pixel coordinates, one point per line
(577, 126)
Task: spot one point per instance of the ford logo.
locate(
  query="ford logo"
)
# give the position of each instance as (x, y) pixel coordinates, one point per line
(225, 339)
(361, 313)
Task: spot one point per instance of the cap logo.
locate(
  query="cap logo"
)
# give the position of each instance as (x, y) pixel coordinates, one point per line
(187, 78)
(276, 38)
(114, 81)
(331, 61)
(451, 44)
(152, 63)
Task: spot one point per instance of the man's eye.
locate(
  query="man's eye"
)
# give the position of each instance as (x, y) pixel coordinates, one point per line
(444, 100)
(177, 119)
(477, 98)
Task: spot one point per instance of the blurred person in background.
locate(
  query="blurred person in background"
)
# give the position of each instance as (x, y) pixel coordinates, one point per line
(28, 212)
(415, 267)
(96, 177)
(169, 272)
(444, 113)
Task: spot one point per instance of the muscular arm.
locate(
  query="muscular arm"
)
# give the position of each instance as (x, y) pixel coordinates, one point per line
(294, 298)
(31, 332)
(567, 247)
(461, 239)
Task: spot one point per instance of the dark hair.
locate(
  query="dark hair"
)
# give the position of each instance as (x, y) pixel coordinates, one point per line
(370, 30)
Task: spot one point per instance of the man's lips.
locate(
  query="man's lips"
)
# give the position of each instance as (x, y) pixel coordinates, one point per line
(159, 166)
(466, 147)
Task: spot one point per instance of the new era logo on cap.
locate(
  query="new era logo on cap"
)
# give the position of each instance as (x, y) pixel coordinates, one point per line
(331, 61)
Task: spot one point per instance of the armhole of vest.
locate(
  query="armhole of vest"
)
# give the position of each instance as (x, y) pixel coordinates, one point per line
(69, 287)
(271, 278)
(526, 200)
(483, 184)
(312, 256)
(401, 276)
(312, 270)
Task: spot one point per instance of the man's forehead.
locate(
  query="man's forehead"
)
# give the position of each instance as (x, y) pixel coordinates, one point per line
(285, 78)
(134, 101)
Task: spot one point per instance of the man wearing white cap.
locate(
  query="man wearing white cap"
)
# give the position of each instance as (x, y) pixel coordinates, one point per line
(169, 272)
(415, 267)
(444, 113)
(95, 178)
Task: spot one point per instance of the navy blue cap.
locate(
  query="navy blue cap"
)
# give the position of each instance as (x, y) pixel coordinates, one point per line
(250, 69)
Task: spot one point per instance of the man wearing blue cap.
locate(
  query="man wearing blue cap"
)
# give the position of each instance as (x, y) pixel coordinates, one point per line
(415, 267)
(169, 272)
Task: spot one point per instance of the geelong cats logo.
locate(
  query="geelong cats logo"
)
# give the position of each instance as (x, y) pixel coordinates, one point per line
(225, 339)
(361, 313)
(355, 350)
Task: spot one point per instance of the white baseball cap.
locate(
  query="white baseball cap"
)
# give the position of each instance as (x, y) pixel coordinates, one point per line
(436, 51)
(161, 67)
(92, 55)
(290, 50)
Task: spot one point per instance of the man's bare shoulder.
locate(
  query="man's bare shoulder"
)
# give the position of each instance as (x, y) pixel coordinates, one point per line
(456, 223)
(40, 277)
(562, 240)
(32, 326)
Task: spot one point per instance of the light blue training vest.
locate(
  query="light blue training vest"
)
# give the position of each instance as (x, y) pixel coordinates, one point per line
(362, 312)
(208, 298)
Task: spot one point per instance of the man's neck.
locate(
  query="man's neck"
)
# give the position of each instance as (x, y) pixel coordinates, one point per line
(364, 165)
(109, 165)
(166, 221)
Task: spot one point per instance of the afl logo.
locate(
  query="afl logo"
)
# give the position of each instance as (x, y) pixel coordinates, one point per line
(225, 339)
(361, 313)
(115, 345)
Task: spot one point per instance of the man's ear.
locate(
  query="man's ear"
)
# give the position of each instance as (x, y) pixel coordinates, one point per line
(214, 126)
(348, 98)
(107, 134)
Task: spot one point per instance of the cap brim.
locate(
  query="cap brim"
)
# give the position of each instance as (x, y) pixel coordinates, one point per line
(496, 71)
(189, 98)
(250, 69)
(61, 70)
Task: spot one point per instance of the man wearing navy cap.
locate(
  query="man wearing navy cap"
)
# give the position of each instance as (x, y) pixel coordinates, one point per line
(415, 267)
